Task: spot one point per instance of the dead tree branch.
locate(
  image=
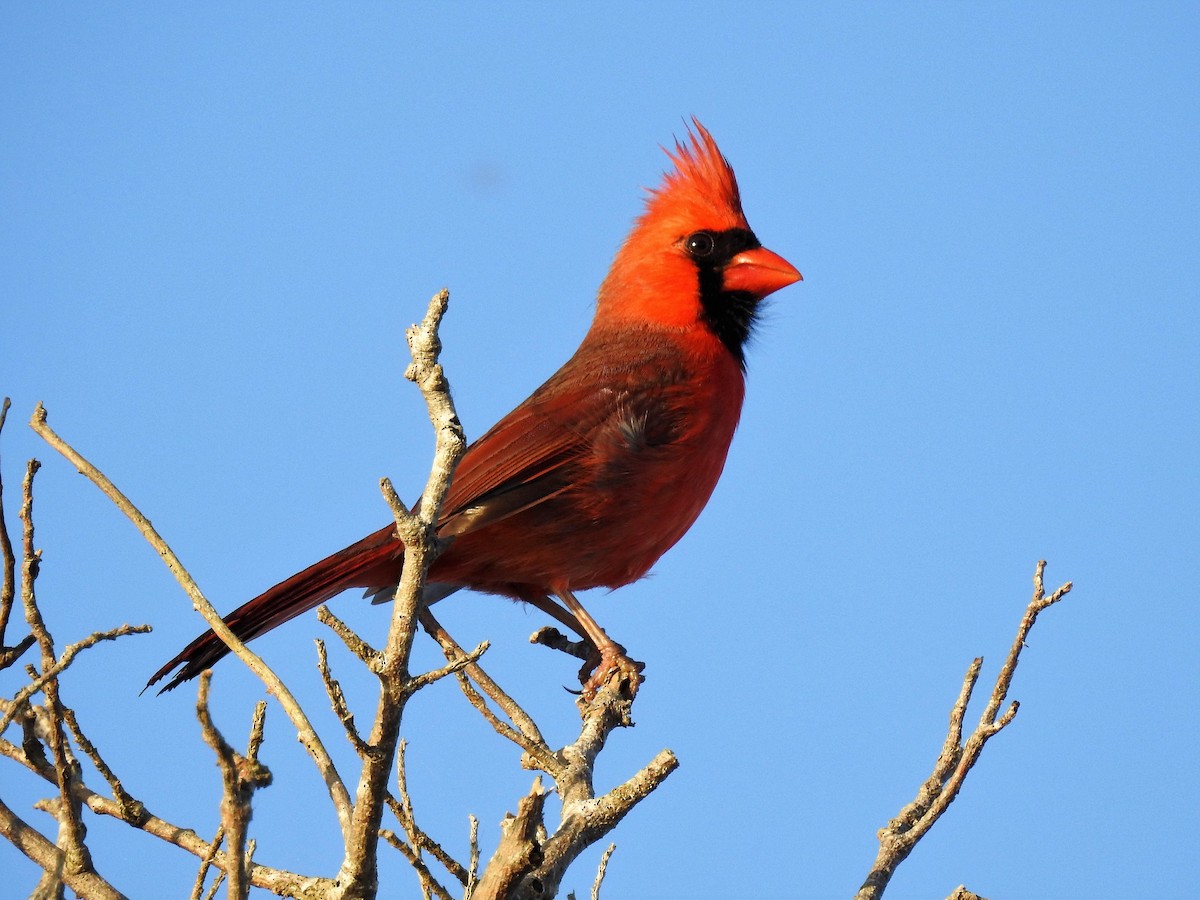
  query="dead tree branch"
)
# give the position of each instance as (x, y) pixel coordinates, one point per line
(416, 530)
(901, 834)
(241, 776)
(305, 731)
(529, 862)
(8, 584)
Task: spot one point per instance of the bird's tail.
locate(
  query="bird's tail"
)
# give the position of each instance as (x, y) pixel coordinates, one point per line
(369, 563)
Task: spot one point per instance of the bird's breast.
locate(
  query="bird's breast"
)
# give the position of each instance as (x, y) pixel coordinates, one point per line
(645, 425)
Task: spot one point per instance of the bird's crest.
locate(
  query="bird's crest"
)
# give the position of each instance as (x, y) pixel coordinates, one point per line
(702, 190)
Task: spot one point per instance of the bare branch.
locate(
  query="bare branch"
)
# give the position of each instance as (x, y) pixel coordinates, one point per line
(206, 864)
(77, 860)
(354, 643)
(50, 858)
(68, 656)
(519, 850)
(279, 881)
(305, 732)
(133, 810)
(426, 372)
(526, 735)
(585, 818)
(1038, 603)
(241, 776)
(358, 873)
(901, 834)
(8, 585)
(338, 700)
(601, 869)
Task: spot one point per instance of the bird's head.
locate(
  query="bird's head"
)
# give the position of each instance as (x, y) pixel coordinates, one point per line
(691, 257)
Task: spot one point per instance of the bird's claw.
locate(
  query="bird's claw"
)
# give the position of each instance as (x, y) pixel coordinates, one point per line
(612, 666)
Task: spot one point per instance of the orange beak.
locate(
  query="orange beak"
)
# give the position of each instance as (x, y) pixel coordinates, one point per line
(759, 272)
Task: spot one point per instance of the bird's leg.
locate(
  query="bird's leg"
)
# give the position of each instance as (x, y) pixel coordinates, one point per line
(554, 611)
(613, 658)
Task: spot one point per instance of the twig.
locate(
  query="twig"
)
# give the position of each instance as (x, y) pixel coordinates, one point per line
(133, 809)
(206, 864)
(241, 776)
(601, 869)
(304, 730)
(452, 668)
(68, 656)
(549, 636)
(428, 883)
(50, 858)
(418, 840)
(76, 857)
(338, 700)
(526, 734)
(473, 867)
(901, 834)
(402, 809)
(356, 645)
(8, 586)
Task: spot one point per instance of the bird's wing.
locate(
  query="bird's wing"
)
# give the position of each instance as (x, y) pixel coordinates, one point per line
(527, 458)
(534, 453)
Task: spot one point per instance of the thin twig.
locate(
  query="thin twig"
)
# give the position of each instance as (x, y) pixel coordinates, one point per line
(402, 809)
(76, 857)
(206, 864)
(337, 699)
(428, 883)
(67, 657)
(360, 648)
(526, 734)
(451, 668)
(549, 636)
(241, 776)
(8, 585)
(134, 809)
(601, 869)
(473, 866)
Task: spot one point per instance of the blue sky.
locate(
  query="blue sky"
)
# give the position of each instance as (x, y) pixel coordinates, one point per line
(218, 221)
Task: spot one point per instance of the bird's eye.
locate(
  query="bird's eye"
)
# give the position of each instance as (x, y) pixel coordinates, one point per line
(700, 244)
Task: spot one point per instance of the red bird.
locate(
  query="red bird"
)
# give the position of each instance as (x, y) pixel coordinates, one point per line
(595, 476)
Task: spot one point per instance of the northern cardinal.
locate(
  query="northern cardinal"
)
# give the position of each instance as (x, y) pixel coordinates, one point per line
(595, 476)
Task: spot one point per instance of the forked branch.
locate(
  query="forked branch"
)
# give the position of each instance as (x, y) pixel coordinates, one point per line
(900, 835)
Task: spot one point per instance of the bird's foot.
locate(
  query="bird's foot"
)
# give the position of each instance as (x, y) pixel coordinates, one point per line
(611, 665)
